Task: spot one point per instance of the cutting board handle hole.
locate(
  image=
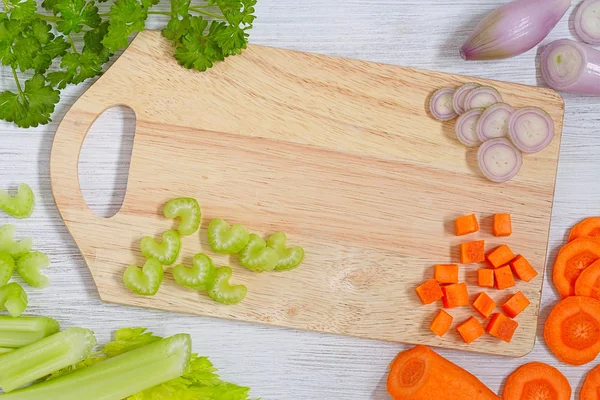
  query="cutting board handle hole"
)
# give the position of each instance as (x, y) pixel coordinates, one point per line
(104, 160)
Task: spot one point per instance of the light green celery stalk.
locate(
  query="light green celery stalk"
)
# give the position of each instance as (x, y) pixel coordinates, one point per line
(36, 360)
(4, 350)
(21, 331)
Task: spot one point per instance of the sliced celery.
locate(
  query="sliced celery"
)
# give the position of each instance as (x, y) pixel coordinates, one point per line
(39, 359)
(7, 268)
(4, 350)
(117, 377)
(16, 249)
(21, 205)
(29, 267)
(21, 331)
(13, 299)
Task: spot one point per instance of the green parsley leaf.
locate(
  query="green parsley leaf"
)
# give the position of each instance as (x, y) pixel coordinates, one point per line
(22, 10)
(126, 17)
(199, 50)
(74, 14)
(50, 5)
(78, 68)
(92, 41)
(176, 28)
(57, 47)
(31, 107)
(9, 30)
(26, 49)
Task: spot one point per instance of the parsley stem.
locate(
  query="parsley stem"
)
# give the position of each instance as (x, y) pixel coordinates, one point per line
(72, 43)
(207, 13)
(168, 14)
(48, 18)
(19, 88)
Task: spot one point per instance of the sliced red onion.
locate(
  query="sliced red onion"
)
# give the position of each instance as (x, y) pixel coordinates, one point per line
(466, 127)
(458, 102)
(482, 97)
(493, 123)
(499, 160)
(513, 29)
(531, 129)
(571, 67)
(440, 104)
(587, 21)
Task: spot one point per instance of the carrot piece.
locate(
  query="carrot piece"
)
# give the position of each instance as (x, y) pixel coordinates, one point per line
(522, 269)
(484, 305)
(536, 380)
(430, 291)
(470, 330)
(588, 283)
(502, 225)
(422, 374)
(573, 258)
(502, 327)
(441, 323)
(501, 255)
(472, 252)
(572, 330)
(591, 385)
(504, 277)
(485, 277)
(455, 295)
(589, 227)
(467, 224)
(516, 304)
(446, 273)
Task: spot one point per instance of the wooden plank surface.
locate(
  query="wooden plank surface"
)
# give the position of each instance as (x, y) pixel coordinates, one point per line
(340, 154)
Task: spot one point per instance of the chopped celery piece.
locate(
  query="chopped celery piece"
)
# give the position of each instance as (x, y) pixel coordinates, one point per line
(289, 258)
(7, 268)
(145, 281)
(4, 350)
(21, 331)
(226, 240)
(118, 377)
(13, 299)
(47, 355)
(19, 206)
(188, 212)
(8, 244)
(223, 292)
(166, 252)
(200, 276)
(29, 267)
(257, 257)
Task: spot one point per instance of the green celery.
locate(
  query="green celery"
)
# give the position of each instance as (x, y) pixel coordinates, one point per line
(117, 377)
(21, 331)
(36, 360)
(4, 350)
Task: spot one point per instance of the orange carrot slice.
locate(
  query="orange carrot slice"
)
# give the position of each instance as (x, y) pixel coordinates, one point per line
(572, 330)
(446, 273)
(591, 385)
(504, 277)
(502, 225)
(522, 269)
(470, 330)
(430, 291)
(537, 381)
(588, 283)
(589, 227)
(485, 277)
(472, 252)
(484, 305)
(441, 323)
(455, 295)
(502, 327)
(515, 305)
(573, 258)
(467, 224)
(501, 255)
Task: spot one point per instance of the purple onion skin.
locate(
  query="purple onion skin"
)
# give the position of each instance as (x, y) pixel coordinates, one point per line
(513, 29)
(588, 80)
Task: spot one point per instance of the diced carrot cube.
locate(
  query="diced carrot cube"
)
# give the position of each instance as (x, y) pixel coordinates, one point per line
(470, 330)
(515, 305)
(502, 327)
(441, 323)
(472, 252)
(446, 273)
(504, 277)
(522, 269)
(484, 305)
(467, 224)
(430, 291)
(485, 277)
(455, 295)
(501, 255)
(502, 225)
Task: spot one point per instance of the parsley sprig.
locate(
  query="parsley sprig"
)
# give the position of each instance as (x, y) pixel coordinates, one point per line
(34, 39)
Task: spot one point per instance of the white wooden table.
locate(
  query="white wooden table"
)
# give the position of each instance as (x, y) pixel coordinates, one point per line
(282, 364)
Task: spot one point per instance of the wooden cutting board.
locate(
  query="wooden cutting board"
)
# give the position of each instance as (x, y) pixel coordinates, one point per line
(340, 154)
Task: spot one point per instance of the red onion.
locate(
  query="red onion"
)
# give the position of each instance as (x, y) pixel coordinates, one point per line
(482, 97)
(458, 102)
(571, 67)
(531, 129)
(587, 21)
(493, 123)
(440, 104)
(466, 127)
(499, 160)
(513, 29)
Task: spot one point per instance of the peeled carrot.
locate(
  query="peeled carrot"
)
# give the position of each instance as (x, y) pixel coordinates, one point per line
(516, 304)
(430, 291)
(522, 269)
(484, 305)
(501, 255)
(455, 295)
(588, 283)
(441, 323)
(572, 330)
(504, 277)
(467, 224)
(502, 225)
(485, 277)
(446, 273)
(573, 258)
(502, 327)
(472, 252)
(589, 227)
(422, 374)
(538, 381)
(591, 385)
(470, 330)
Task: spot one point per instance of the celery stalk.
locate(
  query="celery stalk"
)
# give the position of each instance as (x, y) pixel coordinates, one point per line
(21, 331)
(117, 377)
(36, 360)
(4, 350)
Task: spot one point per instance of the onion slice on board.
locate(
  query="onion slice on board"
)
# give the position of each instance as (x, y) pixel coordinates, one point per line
(587, 21)
(531, 129)
(466, 127)
(440, 104)
(493, 123)
(458, 102)
(482, 97)
(571, 67)
(499, 160)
